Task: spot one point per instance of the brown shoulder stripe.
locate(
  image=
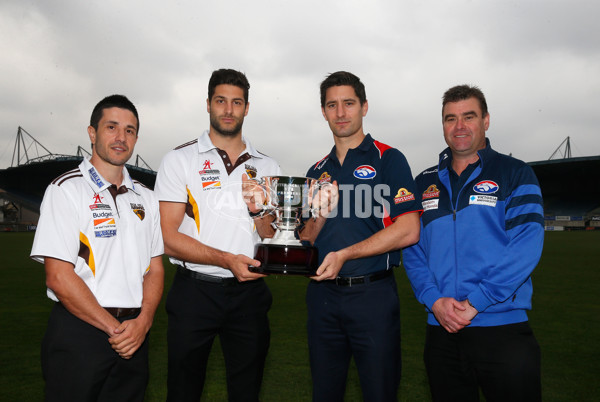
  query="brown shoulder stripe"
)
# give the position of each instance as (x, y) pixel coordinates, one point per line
(141, 184)
(68, 178)
(187, 144)
(65, 174)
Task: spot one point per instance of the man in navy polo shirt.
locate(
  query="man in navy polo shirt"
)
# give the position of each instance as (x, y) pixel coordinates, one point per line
(353, 308)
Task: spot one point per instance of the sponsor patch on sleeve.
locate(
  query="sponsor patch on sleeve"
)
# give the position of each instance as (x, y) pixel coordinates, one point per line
(325, 178)
(403, 195)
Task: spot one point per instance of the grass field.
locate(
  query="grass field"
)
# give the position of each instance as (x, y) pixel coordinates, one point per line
(565, 318)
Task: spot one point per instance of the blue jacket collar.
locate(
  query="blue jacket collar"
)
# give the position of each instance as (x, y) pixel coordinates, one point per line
(485, 155)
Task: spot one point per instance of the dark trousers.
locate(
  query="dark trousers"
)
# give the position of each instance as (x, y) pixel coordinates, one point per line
(78, 363)
(198, 311)
(503, 361)
(361, 321)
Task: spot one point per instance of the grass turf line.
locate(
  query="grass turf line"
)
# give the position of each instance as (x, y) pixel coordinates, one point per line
(564, 318)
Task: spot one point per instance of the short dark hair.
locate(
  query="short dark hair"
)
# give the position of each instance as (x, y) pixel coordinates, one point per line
(229, 77)
(343, 78)
(464, 92)
(119, 101)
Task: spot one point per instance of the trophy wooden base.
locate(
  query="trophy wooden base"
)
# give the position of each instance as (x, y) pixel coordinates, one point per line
(286, 259)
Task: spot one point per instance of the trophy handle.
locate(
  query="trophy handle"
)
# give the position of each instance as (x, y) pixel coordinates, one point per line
(314, 211)
(268, 195)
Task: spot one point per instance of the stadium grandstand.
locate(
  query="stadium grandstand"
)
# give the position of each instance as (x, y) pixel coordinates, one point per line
(570, 185)
(33, 167)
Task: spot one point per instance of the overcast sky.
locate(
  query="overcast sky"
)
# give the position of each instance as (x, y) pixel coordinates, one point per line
(538, 63)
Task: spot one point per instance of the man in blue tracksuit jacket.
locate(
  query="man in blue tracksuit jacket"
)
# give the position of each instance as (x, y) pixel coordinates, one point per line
(481, 237)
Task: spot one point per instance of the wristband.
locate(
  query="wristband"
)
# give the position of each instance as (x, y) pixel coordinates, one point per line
(255, 214)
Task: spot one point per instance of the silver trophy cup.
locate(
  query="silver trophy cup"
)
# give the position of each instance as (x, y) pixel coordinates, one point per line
(287, 198)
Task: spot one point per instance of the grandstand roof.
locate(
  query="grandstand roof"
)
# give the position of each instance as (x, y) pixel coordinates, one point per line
(570, 186)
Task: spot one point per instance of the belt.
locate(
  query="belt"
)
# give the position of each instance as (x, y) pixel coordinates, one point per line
(207, 278)
(119, 312)
(116, 312)
(360, 280)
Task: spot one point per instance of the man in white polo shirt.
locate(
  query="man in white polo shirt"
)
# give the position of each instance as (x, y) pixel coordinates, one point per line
(210, 232)
(100, 241)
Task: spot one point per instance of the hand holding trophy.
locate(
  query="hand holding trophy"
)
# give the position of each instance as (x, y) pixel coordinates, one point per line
(288, 198)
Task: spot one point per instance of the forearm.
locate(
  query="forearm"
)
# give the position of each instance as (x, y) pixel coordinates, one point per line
(76, 297)
(311, 229)
(264, 227)
(152, 291)
(402, 233)
(186, 248)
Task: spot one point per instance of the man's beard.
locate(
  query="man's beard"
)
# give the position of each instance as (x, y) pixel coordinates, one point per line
(216, 125)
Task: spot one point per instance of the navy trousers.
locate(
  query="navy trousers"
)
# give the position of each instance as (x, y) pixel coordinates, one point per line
(197, 312)
(504, 361)
(78, 363)
(361, 321)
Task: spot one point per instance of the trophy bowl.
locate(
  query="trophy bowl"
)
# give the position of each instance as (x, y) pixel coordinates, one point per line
(287, 198)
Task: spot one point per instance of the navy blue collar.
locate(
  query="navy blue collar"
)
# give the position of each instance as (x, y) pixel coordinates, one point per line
(364, 146)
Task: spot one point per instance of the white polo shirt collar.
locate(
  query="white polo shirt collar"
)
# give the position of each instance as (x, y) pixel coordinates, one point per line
(205, 144)
(99, 183)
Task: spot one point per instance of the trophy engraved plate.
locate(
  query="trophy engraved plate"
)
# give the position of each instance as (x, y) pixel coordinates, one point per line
(287, 197)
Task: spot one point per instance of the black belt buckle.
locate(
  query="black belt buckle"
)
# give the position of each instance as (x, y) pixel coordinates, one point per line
(207, 278)
(359, 280)
(349, 281)
(119, 312)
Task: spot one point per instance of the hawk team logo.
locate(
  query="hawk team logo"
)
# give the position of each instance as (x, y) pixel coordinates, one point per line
(403, 195)
(431, 192)
(486, 187)
(251, 171)
(325, 178)
(138, 209)
(364, 172)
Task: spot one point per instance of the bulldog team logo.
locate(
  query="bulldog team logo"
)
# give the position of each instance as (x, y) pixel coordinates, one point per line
(403, 195)
(364, 172)
(486, 187)
(138, 209)
(431, 192)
